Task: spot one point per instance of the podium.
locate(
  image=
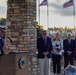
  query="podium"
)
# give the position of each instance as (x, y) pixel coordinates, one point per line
(14, 63)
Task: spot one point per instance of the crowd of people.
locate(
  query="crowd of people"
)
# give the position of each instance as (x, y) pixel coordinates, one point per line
(52, 50)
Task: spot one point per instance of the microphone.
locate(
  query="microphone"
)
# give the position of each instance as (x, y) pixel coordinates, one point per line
(10, 40)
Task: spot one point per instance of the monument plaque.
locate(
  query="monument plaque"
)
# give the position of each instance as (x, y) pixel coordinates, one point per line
(70, 70)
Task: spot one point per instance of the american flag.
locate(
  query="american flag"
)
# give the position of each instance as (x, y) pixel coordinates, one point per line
(43, 3)
(67, 4)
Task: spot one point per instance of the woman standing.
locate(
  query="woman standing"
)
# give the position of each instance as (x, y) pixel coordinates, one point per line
(57, 53)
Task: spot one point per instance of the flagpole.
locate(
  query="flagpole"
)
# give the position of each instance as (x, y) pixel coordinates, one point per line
(39, 12)
(47, 15)
(74, 13)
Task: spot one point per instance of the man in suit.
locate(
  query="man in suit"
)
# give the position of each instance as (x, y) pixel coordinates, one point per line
(2, 46)
(75, 49)
(69, 48)
(44, 46)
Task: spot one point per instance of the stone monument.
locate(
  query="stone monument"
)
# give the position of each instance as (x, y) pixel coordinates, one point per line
(21, 28)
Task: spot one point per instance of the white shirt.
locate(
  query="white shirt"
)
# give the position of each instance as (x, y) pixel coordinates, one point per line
(58, 46)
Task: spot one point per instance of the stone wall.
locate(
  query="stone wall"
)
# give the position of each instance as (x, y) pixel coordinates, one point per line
(21, 16)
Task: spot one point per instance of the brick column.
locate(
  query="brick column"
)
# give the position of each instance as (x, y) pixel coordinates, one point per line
(21, 16)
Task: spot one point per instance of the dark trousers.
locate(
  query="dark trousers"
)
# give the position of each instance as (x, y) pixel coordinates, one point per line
(56, 63)
(68, 60)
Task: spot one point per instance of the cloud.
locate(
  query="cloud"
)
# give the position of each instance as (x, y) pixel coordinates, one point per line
(3, 11)
(58, 9)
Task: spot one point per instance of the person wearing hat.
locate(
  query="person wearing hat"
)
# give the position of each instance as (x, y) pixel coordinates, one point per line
(44, 47)
(2, 45)
(69, 48)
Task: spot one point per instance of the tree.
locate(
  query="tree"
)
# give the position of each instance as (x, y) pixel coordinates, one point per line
(39, 29)
(2, 21)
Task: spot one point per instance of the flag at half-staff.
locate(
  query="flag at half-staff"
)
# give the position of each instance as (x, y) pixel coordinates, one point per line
(43, 3)
(67, 4)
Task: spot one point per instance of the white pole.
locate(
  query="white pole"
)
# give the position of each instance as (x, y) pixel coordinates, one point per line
(47, 17)
(74, 12)
(39, 12)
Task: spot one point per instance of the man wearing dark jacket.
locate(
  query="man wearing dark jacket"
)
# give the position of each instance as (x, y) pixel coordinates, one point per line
(75, 49)
(44, 46)
(2, 31)
(69, 48)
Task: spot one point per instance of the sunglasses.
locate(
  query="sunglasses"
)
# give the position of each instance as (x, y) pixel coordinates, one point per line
(44, 33)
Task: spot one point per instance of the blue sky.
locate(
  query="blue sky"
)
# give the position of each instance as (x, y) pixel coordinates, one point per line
(58, 16)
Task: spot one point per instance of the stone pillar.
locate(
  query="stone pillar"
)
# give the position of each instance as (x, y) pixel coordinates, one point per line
(21, 16)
